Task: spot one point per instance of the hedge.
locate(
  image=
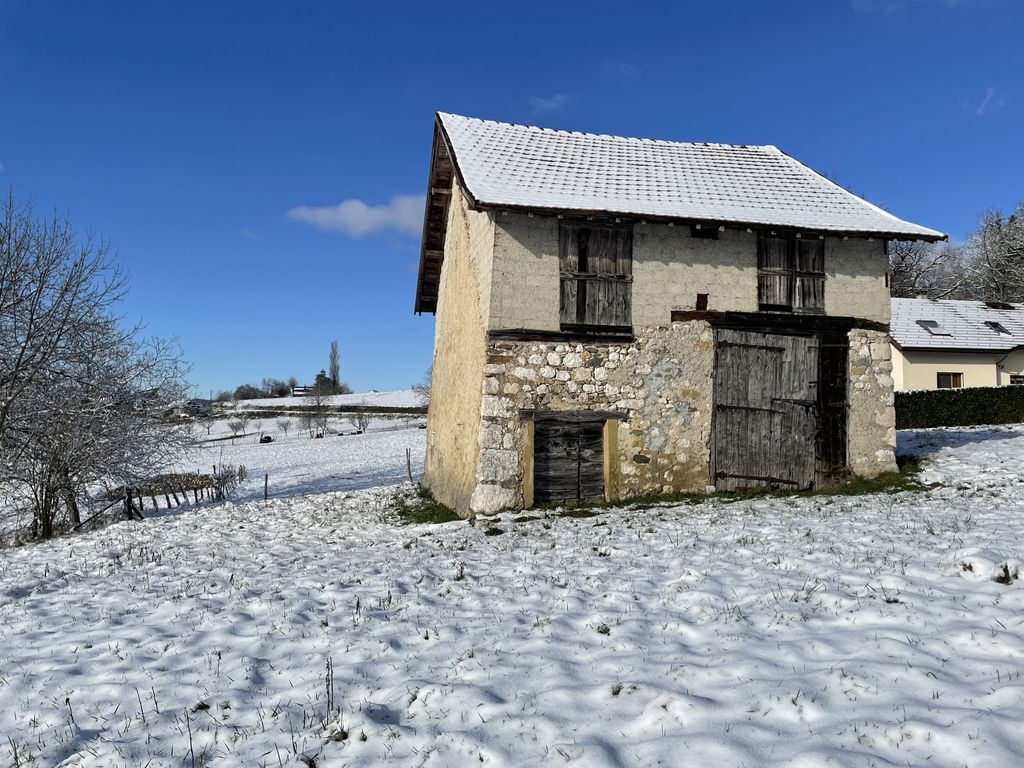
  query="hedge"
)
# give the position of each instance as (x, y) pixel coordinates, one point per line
(959, 407)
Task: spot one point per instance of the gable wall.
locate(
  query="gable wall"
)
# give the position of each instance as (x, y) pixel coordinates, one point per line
(453, 417)
(669, 269)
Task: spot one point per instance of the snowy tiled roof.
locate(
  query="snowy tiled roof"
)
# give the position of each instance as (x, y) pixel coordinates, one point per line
(506, 165)
(960, 325)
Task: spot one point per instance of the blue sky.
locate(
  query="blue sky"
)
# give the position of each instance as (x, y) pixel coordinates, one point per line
(260, 166)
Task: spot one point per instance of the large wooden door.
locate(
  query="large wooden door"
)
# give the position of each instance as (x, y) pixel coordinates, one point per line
(568, 460)
(766, 403)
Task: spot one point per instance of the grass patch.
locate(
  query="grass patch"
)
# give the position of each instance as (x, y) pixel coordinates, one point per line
(904, 479)
(419, 506)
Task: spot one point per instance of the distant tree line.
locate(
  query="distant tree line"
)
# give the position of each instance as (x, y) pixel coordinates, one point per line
(988, 266)
(326, 382)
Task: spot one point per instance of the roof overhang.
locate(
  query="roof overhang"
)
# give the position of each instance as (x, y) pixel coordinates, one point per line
(958, 350)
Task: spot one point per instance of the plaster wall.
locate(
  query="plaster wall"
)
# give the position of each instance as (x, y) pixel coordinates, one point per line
(453, 416)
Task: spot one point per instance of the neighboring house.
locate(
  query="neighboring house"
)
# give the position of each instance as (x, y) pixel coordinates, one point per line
(940, 344)
(619, 317)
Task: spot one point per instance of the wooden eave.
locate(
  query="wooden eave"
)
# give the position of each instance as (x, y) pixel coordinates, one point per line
(440, 179)
(581, 214)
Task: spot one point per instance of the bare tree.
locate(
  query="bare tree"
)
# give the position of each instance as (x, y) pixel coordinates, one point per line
(257, 424)
(995, 257)
(360, 420)
(244, 419)
(284, 425)
(236, 426)
(308, 422)
(52, 285)
(84, 401)
(422, 388)
(923, 269)
(318, 408)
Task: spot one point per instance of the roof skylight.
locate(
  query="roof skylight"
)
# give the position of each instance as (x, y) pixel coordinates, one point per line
(998, 328)
(934, 327)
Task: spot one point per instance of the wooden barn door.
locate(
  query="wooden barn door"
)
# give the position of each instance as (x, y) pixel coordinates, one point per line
(766, 405)
(568, 460)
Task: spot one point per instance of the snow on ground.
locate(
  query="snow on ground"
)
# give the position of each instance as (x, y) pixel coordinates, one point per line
(799, 631)
(400, 398)
(297, 464)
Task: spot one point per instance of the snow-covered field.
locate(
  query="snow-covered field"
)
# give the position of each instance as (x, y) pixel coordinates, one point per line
(786, 631)
(297, 464)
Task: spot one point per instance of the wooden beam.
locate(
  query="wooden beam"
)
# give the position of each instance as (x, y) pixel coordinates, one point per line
(570, 335)
(576, 417)
(778, 321)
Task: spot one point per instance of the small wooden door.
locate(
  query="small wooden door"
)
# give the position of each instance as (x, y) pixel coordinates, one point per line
(568, 460)
(766, 410)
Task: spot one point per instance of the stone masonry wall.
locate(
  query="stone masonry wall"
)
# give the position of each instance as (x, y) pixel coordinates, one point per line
(662, 382)
(872, 415)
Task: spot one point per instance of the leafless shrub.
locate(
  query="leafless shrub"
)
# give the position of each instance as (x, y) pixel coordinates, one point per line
(284, 425)
(360, 420)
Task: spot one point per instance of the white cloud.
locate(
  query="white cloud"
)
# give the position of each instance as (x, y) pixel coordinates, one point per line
(555, 103)
(990, 101)
(403, 213)
(889, 7)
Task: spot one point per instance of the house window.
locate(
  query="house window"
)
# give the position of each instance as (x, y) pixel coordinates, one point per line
(1017, 380)
(949, 380)
(596, 266)
(790, 274)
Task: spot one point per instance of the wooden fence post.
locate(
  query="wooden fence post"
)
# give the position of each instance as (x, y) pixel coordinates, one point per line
(266, 486)
(408, 463)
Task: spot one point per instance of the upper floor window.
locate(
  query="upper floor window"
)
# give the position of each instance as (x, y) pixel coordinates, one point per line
(596, 266)
(790, 274)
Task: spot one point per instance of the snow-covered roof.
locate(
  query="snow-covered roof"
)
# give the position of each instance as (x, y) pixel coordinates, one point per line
(962, 325)
(520, 166)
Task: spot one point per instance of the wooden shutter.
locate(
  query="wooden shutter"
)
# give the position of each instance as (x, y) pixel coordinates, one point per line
(774, 273)
(809, 292)
(791, 274)
(596, 264)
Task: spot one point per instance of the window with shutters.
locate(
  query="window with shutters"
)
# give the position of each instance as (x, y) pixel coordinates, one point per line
(596, 266)
(790, 274)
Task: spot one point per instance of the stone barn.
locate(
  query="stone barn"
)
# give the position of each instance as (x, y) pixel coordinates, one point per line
(619, 317)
